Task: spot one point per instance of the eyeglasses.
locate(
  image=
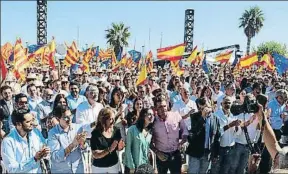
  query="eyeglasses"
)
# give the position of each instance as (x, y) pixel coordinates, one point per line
(23, 102)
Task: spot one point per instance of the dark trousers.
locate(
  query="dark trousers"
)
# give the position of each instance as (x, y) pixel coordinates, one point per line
(173, 163)
(266, 161)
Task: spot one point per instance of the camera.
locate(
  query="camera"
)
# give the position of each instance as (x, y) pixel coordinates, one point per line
(249, 106)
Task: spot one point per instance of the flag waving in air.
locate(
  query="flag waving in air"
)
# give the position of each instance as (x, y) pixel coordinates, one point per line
(248, 61)
(87, 57)
(281, 63)
(224, 57)
(142, 77)
(72, 55)
(149, 61)
(192, 57)
(21, 60)
(171, 53)
(52, 49)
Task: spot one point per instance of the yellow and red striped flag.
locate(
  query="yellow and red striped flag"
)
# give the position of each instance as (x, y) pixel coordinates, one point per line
(114, 61)
(87, 57)
(199, 57)
(268, 62)
(149, 61)
(193, 56)
(21, 60)
(52, 51)
(72, 55)
(171, 53)
(248, 61)
(224, 57)
(142, 76)
(6, 51)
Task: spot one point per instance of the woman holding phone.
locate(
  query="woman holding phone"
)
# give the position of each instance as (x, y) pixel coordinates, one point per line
(105, 141)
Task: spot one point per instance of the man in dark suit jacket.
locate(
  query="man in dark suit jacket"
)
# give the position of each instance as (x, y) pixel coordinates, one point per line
(203, 138)
(7, 105)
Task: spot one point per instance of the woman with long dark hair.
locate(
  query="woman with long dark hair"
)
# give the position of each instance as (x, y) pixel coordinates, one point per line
(138, 141)
(105, 141)
(60, 99)
(133, 116)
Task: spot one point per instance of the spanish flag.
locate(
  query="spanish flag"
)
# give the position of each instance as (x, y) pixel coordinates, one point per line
(171, 53)
(149, 61)
(142, 77)
(72, 55)
(6, 51)
(248, 61)
(224, 57)
(192, 57)
(267, 61)
(21, 60)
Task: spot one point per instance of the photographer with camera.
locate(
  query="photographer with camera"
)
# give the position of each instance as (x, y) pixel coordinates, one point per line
(203, 138)
(247, 135)
(228, 127)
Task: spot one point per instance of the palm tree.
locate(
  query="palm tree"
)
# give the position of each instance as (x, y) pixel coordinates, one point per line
(251, 21)
(118, 36)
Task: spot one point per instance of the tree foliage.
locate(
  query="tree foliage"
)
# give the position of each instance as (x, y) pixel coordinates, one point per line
(271, 47)
(117, 36)
(251, 21)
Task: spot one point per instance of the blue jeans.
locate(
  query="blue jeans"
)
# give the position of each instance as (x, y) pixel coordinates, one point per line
(240, 159)
(224, 163)
(198, 165)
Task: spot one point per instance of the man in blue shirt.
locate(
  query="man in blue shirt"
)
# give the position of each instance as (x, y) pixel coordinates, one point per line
(74, 99)
(24, 147)
(67, 141)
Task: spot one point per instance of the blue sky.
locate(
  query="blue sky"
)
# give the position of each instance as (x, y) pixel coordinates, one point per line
(216, 23)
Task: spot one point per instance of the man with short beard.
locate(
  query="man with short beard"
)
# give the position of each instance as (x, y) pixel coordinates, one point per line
(7, 104)
(74, 99)
(24, 147)
(87, 112)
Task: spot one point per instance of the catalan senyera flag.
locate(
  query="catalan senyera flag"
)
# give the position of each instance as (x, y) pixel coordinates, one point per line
(114, 60)
(52, 51)
(149, 61)
(171, 53)
(4, 69)
(21, 60)
(224, 57)
(248, 61)
(268, 62)
(129, 62)
(142, 76)
(72, 55)
(45, 56)
(192, 56)
(87, 57)
(6, 51)
(105, 54)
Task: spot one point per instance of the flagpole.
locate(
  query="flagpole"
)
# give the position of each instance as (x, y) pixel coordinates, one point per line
(78, 35)
(149, 38)
(134, 43)
(161, 40)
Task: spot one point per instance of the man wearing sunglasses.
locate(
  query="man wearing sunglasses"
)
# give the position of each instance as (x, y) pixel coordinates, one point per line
(21, 102)
(68, 143)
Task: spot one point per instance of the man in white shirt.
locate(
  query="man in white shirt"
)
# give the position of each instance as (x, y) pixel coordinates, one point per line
(185, 106)
(230, 90)
(87, 112)
(216, 92)
(228, 125)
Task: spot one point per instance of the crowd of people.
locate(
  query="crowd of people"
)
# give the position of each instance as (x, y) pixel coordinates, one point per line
(101, 122)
